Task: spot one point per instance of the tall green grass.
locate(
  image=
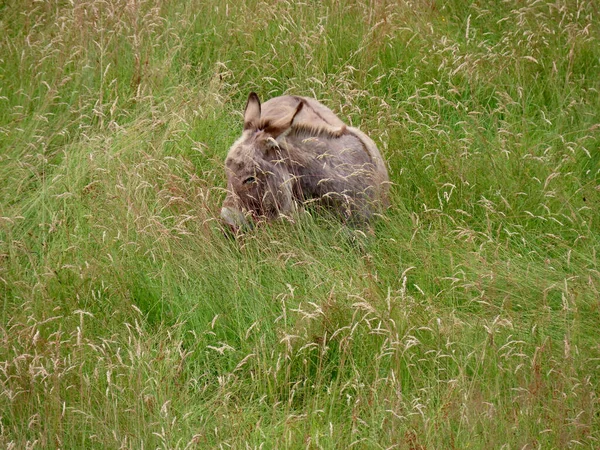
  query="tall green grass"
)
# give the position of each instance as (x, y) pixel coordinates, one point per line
(466, 316)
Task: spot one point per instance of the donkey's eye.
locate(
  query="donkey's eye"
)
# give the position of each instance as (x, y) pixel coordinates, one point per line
(249, 180)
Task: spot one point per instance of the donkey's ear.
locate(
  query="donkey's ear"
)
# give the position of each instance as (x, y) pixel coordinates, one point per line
(252, 112)
(278, 127)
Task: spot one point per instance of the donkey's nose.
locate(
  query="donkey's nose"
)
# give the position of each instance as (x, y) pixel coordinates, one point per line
(234, 217)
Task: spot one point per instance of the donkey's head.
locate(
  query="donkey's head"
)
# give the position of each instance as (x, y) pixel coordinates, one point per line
(259, 183)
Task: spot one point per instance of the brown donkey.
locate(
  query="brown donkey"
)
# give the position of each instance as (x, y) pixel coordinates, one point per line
(294, 150)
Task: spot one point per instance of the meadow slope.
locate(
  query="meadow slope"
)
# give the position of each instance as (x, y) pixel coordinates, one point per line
(466, 317)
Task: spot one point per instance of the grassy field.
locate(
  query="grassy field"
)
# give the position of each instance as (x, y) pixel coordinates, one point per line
(467, 317)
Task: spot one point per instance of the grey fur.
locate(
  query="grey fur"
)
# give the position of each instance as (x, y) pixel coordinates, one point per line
(295, 150)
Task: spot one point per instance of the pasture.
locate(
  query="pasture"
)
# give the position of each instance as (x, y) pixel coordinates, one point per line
(467, 316)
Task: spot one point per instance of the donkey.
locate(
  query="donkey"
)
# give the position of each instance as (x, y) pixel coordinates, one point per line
(295, 150)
